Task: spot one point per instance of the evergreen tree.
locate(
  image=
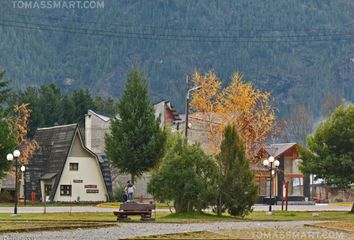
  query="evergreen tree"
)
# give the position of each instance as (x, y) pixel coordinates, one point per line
(7, 143)
(136, 142)
(187, 177)
(331, 153)
(49, 103)
(237, 190)
(68, 116)
(4, 89)
(82, 101)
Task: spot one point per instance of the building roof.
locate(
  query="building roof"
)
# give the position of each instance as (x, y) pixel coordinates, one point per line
(99, 115)
(54, 145)
(49, 160)
(170, 107)
(48, 176)
(278, 149)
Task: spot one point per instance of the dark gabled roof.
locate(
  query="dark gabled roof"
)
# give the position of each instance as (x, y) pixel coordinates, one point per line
(278, 149)
(54, 146)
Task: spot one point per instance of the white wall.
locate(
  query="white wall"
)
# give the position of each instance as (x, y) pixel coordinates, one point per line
(89, 172)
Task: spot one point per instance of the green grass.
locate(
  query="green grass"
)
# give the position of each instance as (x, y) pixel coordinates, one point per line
(260, 216)
(20, 226)
(300, 216)
(40, 204)
(180, 218)
(88, 217)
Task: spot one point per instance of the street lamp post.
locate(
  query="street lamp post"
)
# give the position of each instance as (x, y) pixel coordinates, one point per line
(187, 108)
(272, 164)
(16, 154)
(23, 170)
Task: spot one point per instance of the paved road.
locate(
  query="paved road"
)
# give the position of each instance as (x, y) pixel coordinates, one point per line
(318, 207)
(254, 230)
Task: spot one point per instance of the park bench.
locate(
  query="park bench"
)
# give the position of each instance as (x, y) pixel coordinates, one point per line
(137, 209)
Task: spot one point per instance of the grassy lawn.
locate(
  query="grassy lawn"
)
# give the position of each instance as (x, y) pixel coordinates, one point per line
(73, 217)
(346, 204)
(39, 204)
(260, 216)
(21, 226)
(41, 222)
(340, 226)
(183, 218)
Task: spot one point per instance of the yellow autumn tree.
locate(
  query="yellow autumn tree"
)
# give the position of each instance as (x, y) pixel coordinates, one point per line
(239, 103)
(206, 106)
(20, 122)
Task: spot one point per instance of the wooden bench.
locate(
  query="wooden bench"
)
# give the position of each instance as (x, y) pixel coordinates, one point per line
(133, 208)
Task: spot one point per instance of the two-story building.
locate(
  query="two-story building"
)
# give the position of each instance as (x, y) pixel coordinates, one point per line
(288, 171)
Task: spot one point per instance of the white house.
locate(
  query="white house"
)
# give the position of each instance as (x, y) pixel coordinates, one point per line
(63, 169)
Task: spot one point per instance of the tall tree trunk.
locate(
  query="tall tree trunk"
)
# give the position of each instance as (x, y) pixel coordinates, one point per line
(132, 178)
(218, 207)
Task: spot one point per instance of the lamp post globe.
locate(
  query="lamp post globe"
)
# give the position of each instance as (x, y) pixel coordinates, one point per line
(9, 157)
(265, 162)
(276, 163)
(271, 159)
(17, 153)
(23, 168)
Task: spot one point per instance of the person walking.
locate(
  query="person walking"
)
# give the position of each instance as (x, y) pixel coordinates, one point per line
(131, 189)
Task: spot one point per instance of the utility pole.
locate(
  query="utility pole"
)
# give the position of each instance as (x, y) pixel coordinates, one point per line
(186, 108)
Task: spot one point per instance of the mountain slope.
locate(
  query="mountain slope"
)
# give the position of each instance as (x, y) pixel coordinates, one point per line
(95, 48)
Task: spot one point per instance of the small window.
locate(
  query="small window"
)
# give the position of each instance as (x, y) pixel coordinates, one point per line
(65, 190)
(74, 166)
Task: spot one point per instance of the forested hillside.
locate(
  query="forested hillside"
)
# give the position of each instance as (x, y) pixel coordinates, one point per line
(299, 50)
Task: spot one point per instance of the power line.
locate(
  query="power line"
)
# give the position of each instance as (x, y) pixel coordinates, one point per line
(215, 29)
(169, 37)
(343, 34)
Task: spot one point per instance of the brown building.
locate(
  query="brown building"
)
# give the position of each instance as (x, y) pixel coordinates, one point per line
(288, 171)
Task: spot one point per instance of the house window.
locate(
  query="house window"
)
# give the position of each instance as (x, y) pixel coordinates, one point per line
(47, 189)
(263, 186)
(74, 166)
(292, 165)
(296, 186)
(65, 190)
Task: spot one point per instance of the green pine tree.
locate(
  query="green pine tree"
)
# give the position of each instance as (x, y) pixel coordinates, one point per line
(4, 89)
(330, 153)
(237, 188)
(136, 142)
(7, 143)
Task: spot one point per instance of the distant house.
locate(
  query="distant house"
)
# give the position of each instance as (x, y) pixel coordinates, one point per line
(166, 112)
(287, 154)
(63, 169)
(97, 125)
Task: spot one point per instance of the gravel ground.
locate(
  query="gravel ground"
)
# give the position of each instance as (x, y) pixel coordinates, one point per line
(125, 230)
